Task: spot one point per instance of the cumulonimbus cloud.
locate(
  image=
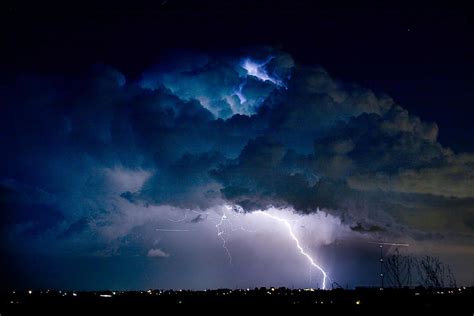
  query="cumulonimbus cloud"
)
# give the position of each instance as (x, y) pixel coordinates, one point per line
(203, 131)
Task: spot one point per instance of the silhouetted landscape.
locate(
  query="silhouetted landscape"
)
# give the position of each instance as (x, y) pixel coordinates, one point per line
(429, 301)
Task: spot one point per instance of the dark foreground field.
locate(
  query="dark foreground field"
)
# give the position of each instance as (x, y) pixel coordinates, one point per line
(458, 301)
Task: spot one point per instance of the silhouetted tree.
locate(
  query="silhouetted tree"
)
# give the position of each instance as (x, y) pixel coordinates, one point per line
(398, 269)
(434, 273)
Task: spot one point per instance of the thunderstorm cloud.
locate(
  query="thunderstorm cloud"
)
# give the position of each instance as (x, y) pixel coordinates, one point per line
(89, 164)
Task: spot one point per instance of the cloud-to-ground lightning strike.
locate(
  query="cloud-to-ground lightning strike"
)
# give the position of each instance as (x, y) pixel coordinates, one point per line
(290, 231)
(226, 217)
(220, 234)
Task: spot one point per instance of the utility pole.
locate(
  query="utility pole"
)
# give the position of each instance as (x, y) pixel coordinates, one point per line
(381, 244)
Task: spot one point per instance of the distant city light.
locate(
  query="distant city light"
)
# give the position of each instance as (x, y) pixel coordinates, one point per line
(105, 295)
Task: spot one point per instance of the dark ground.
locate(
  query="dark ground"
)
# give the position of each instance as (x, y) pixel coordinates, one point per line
(458, 301)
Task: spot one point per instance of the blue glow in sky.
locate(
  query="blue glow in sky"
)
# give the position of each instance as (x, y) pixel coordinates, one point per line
(257, 69)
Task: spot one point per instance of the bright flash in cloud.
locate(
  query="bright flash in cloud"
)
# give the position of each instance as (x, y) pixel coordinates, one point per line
(258, 70)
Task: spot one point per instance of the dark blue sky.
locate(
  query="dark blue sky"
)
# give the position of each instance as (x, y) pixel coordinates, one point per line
(140, 143)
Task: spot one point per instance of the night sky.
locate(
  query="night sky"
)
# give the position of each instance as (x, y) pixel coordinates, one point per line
(181, 145)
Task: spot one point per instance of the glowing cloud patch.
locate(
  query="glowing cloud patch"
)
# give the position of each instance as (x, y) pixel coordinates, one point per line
(239, 94)
(258, 70)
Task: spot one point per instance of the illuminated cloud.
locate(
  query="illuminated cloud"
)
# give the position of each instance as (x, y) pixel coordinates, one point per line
(224, 86)
(94, 165)
(450, 179)
(257, 69)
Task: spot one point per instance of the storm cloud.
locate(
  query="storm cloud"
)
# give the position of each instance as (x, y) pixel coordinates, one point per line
(88, 161)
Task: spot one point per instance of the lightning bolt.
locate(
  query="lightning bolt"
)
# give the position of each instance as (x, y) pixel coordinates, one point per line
(229, 211)
(220, 234)
(292, 235)
(219, 225)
